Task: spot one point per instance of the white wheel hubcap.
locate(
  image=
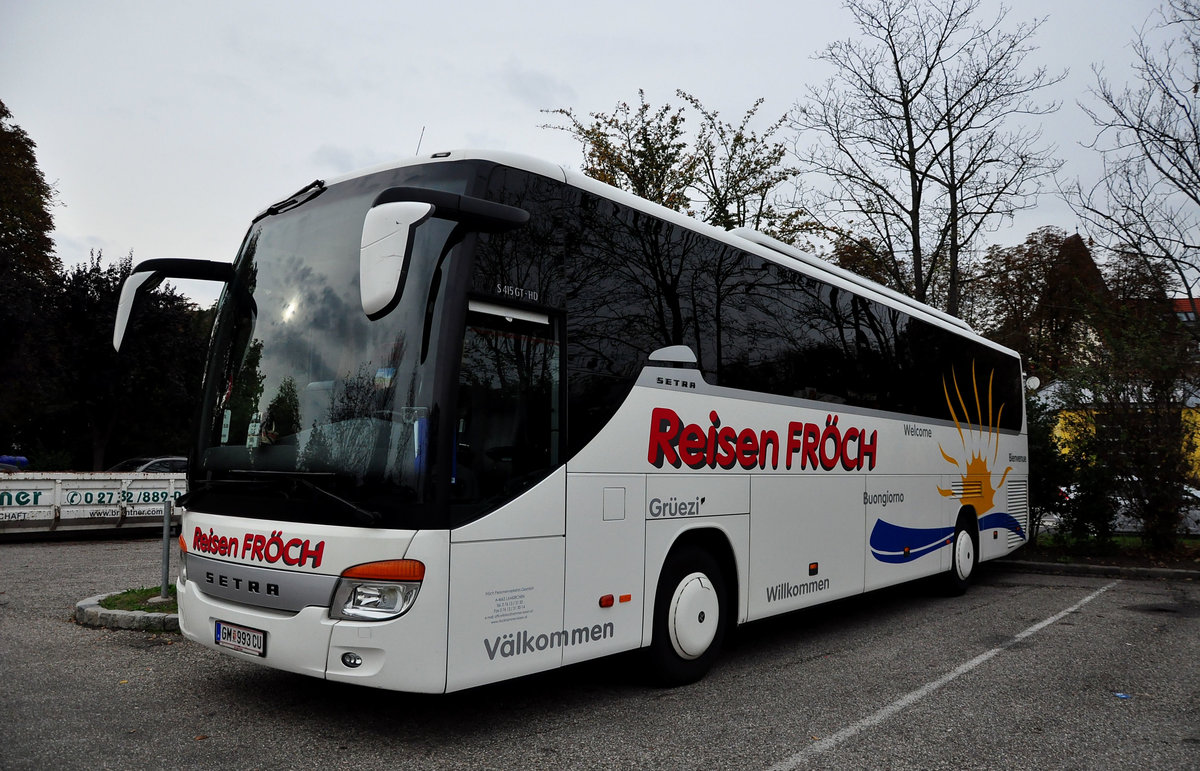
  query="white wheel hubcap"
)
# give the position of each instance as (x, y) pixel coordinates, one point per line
(695, 613)
(964, 555)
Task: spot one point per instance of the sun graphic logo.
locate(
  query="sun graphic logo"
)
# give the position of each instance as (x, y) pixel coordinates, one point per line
(977, 456)
(980, 438)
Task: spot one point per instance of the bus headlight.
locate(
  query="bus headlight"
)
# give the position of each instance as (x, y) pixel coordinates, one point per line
(377, 591)
(356, 601)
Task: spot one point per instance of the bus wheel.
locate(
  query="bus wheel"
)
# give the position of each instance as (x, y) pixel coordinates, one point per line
(689, 617)
(964, 557)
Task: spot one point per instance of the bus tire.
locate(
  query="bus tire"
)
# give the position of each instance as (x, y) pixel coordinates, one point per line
(964, 557)
(690, 609)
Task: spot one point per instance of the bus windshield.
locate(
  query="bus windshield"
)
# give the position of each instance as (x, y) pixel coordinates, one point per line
(311, 411)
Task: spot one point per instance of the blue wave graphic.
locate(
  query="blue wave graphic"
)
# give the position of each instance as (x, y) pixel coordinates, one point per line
(889, 542)
(1001, 520)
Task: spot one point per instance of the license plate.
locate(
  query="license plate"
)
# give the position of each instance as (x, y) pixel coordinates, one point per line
(241, 638)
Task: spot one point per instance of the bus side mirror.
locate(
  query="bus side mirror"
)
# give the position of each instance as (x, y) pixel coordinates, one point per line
(388, 233)
(133, 284)
(149, 274)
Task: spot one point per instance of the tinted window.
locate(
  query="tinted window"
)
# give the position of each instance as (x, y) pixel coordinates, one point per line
(507, 422)
(636, 283)
(631, 283)
(806, 338)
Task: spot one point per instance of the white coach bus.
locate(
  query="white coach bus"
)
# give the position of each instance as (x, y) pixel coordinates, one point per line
(475, 416)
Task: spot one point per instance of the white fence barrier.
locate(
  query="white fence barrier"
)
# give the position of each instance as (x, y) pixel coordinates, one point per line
(32, 502)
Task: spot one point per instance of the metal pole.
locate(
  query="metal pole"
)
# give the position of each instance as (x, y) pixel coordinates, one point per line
(166, 558)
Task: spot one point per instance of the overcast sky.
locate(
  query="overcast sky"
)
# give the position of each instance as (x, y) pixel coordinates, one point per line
(165, 127)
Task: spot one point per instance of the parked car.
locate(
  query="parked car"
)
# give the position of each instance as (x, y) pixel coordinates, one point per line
(1126, 520)
(172, 464)
(13, 463)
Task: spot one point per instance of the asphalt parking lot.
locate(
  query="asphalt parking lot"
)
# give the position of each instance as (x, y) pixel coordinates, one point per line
(1025, 671)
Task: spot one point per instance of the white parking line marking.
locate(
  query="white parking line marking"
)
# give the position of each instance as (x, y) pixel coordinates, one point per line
(829, 742)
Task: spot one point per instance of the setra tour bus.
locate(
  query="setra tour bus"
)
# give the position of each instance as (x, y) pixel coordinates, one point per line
(473, 416)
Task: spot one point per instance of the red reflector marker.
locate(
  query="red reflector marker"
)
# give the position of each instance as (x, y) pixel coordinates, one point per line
(606, 601)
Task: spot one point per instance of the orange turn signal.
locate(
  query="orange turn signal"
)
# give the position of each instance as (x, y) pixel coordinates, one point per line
(387, 570)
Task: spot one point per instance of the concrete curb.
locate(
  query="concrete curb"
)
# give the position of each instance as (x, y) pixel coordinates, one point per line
(1106, 571)
(89, 613)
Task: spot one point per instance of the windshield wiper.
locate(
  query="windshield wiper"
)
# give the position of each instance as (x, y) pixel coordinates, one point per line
(362, 516)
(275, 479)
(298, 198)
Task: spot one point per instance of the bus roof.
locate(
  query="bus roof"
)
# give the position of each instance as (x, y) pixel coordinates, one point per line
(746, 239)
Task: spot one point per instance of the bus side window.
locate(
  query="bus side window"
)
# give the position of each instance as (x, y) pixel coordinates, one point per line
(506, 425)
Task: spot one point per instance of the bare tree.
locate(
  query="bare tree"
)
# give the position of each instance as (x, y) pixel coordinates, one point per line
(1147, 205)
(912, 136)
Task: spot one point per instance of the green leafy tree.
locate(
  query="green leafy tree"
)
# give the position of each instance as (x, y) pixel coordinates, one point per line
(1124, 410)
(140, 401)
(283, 413)
(28, 286)
(67, 400)
(1050, 469)
(1039, 298)
(91, 406)
(1111, 428)
(639, 149)
(740, 172)
(728, 175)
(245, 390)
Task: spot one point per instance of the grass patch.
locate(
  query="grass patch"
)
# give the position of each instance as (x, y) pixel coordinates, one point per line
(137, 599)
(1121, 549)
(1121, 542)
